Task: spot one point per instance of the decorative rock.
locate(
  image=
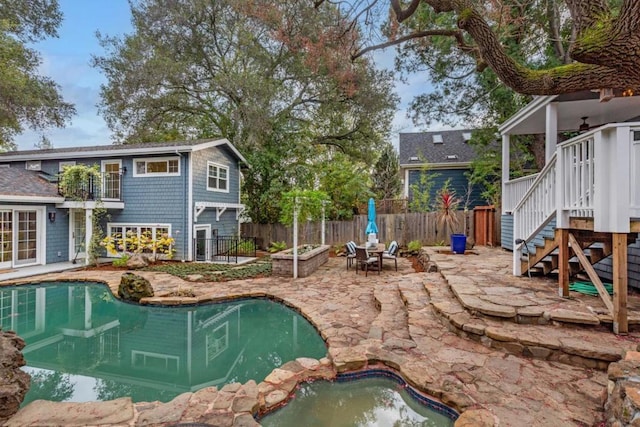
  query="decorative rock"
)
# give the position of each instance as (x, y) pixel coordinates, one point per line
(308, 363)
(570, 316)
(43, 412)
(223, 400)
(245, 404)
(14, 382)
(133, 287)
(137, 261)
(476, 418)
(245, 420)
(275, 398)
(169, 412)
(218, 419)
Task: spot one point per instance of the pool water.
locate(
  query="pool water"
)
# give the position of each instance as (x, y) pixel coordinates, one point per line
(83, 344)
(366, 402)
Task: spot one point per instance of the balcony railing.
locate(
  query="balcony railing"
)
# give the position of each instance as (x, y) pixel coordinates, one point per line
(224, 248)
(108, 187)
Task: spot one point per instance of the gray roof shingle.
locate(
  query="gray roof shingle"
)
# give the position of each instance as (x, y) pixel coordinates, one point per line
(416, 147)
(23, 183)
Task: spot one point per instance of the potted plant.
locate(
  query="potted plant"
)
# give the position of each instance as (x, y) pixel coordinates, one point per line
(447, 205)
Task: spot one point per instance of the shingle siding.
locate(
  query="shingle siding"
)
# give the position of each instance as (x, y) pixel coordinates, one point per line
(506, 232)
(458, 183)
(604, 268)
(57, 236)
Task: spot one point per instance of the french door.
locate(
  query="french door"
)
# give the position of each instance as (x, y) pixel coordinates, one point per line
(19, 237)
(78, 231)
(6, 238)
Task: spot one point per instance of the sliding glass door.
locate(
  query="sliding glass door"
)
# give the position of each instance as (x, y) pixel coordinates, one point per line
(6, 238)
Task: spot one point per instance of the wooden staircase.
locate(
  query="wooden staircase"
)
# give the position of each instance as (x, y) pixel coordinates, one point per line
(543, 258)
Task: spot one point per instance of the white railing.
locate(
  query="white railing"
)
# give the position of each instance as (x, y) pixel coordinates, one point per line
(537, 205)
(514, 190)
(578, 175)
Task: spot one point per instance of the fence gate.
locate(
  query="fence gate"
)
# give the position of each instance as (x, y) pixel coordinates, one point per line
(483, 219)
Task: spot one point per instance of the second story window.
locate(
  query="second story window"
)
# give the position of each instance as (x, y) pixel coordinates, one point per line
(157, 166)
(217, 177)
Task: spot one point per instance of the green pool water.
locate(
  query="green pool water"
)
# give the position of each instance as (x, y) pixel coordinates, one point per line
(84, 345)
(366, 402)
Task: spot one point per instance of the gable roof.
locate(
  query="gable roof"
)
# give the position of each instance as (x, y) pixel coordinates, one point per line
(417, 147)
(18, 184)
(120, 150)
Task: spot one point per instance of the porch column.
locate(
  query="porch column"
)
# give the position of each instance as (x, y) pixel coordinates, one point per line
(563, 262)
(551, 131)
(88, 234)
(620, 279)
(506, 140)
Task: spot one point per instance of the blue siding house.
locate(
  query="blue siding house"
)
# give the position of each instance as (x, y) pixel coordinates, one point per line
(189, 191)
(447, 155)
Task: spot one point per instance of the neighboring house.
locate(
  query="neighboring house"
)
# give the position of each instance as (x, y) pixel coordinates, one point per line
(585, 204)
(185, 190)
(447, 155)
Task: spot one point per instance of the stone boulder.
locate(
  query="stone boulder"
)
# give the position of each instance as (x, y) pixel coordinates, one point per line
(14, 383)
(137, 261)
(133, 287)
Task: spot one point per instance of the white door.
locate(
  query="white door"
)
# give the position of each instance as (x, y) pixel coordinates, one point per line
(78, 230)
(111, 179)
(202, 249)
(6, 238)
(25, 237)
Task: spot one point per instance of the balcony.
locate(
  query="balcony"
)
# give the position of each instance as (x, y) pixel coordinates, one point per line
(107, 188)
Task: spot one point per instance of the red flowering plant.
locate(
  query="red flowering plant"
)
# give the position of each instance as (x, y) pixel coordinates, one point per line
(446, 204)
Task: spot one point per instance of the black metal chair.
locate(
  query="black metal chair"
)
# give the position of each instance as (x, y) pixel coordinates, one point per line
(350, 249)
(366, 262)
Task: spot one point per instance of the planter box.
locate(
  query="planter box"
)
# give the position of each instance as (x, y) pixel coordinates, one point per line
(282, 262)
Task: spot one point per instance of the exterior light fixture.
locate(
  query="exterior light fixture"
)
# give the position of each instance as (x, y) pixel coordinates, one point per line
(584, 126)
(52, 216)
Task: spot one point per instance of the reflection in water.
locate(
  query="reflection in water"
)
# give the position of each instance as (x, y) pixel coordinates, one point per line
(361, 403)
(83, 344)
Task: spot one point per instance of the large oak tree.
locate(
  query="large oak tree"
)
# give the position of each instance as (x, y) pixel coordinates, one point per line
(27, 99)
(265, 75)
(600, 50)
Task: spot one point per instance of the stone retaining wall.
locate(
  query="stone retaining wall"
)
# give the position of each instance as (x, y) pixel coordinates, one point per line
(623, 397)
(282, 262)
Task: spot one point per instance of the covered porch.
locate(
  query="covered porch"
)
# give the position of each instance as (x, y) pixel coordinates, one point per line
(588, 192)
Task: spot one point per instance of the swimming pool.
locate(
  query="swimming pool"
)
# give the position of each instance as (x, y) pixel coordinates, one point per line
(83, 344)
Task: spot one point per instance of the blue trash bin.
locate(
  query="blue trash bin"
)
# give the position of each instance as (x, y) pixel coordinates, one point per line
(458, 243)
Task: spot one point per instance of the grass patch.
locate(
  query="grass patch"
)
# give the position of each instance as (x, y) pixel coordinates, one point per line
(213, 272)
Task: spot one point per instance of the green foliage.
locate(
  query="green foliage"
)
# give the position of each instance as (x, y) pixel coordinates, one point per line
(414, 246)
(386, 177)
(121, 261)
(347, 184)
(75, 181)
(277, 246)
(246, 246)
(420, 191)
(269, 77)
(308, 203)
(26, 97)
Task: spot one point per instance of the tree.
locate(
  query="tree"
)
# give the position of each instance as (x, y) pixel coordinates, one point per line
(27, 98)
(261, 74)
(386, 179)
(598, 47)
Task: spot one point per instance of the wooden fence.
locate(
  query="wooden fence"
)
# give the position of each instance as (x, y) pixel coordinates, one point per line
(403, 228)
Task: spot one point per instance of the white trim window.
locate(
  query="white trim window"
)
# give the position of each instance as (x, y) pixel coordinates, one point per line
(156, 166)
(217, 177)
(127, 238)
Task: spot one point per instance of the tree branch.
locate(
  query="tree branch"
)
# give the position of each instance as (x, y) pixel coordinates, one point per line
(403, 14)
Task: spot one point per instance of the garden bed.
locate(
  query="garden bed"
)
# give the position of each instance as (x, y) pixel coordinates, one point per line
(308, 262)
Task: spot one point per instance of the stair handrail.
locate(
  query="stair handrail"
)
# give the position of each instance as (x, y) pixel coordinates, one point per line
(538, 205)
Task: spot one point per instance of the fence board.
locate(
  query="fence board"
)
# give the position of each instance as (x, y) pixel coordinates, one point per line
(403, 228)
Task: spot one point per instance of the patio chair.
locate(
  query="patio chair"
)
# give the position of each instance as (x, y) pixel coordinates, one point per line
(365, 261)
(350, 249)
(392, 253)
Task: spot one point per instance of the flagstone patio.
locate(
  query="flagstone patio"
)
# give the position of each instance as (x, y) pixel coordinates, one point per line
(499, 349)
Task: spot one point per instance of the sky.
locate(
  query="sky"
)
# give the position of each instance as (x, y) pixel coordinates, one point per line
(66, 60)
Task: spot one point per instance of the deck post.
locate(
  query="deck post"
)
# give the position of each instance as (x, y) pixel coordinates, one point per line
(551, 130)
(563, 262)
(620, 279)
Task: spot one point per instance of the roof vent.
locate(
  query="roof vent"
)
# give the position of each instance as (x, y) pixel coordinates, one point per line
(413, 159)
(466, 136)
(437, 139)
(452, 156)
